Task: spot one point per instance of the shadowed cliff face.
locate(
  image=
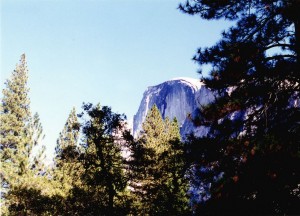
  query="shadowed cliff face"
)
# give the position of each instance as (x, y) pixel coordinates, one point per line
(175, 98)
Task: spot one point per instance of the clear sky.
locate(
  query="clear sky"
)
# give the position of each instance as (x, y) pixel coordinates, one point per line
(106, 51)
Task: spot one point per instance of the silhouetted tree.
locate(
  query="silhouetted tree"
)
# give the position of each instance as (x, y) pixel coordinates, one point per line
(251, 154)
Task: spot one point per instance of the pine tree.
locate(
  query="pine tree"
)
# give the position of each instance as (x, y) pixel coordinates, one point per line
(104, 183)
(67, 166)
(175, 162)
(158, 167)
(146, 152)
(20, 133)
(251, 153)
(15, 113)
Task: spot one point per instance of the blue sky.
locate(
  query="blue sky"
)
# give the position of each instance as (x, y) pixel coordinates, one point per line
(106, 51)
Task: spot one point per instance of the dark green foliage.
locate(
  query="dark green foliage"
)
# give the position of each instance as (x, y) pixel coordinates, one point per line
(103, 189)
(251, 158)
(158, 167)
(34, 202)
(67, 168)
(91, 178)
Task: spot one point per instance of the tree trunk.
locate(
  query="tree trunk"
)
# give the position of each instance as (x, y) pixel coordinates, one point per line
(111, 194)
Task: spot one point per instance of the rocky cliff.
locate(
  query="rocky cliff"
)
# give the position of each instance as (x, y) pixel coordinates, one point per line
(178, 98)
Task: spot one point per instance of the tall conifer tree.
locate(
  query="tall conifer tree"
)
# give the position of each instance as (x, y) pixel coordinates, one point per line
(20, 133)
(251, 154)
(67, 167)
(177, 202)
(158, 165)
(104, 181)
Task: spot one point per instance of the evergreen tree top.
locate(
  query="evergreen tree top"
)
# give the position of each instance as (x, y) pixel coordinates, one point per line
(265, 35)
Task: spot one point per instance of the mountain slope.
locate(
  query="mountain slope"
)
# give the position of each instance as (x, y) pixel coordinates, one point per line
(178, 98)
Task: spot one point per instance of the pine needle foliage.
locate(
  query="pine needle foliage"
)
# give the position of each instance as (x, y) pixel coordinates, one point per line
(20, 132)
(158, 168)
(67, 169)
(251, 154)
(103, 189)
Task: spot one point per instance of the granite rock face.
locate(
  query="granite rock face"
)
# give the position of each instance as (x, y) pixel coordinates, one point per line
(180, 98)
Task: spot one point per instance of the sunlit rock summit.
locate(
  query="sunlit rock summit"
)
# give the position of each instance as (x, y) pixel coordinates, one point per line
(180, 98)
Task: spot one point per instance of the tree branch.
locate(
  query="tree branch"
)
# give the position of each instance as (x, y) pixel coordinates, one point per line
(279, 56)
(278, 45)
